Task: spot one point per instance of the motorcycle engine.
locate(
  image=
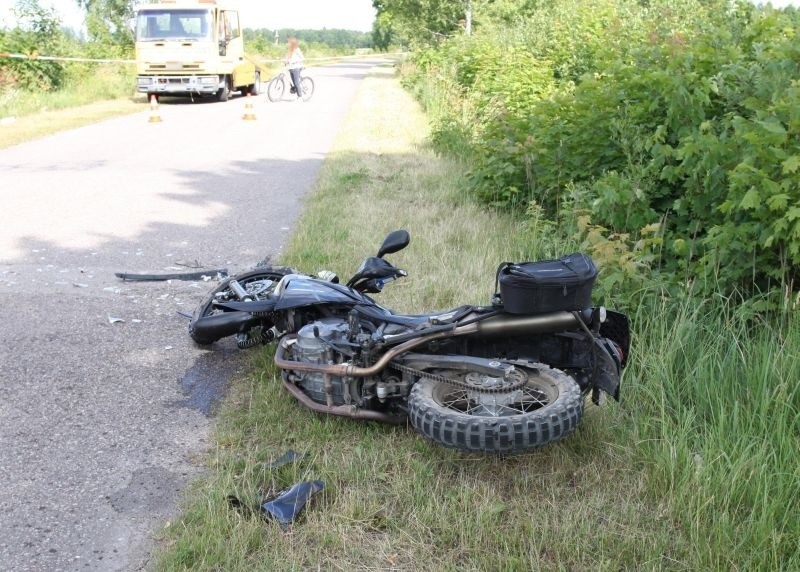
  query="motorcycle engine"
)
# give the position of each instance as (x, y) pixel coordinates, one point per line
(314, 346)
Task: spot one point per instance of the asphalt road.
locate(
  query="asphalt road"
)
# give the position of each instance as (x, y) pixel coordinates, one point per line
(102, 424)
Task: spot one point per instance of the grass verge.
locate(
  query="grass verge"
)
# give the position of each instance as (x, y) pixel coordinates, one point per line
(91, 93)
(44, 123)
(394, 501)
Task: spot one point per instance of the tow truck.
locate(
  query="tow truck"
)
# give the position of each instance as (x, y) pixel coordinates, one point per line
(192, 48)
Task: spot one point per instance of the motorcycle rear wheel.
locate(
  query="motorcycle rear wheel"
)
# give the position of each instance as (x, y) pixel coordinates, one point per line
(549, 408)
(249, 278)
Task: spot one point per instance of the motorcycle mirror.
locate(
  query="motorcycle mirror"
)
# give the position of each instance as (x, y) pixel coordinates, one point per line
(396, 240)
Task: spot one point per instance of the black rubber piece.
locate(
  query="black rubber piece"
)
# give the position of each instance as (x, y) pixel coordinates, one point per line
(512, 434)
(205, 308)
(174, 276)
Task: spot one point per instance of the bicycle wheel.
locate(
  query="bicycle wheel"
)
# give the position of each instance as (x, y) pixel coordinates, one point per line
(276, 88)
(308, 87)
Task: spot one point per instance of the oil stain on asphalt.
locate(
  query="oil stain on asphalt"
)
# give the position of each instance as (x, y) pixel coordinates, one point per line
(206, 382)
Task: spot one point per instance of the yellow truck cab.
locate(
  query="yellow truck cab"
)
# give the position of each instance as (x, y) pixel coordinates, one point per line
(192, 48)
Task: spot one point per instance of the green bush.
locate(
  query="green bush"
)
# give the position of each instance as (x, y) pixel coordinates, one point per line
(680, 114)
(38, 33)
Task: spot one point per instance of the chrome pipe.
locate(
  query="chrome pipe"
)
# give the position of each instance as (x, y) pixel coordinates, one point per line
(341, 410)
(510, 325)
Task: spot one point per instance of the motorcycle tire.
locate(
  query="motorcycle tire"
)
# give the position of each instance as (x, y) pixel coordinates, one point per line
(433, 413)
(206, 307)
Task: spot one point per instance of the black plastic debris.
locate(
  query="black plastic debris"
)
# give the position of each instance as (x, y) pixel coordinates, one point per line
(236, 504)
(185, 264)
(211, 272)
(287, 505)
(288, 457)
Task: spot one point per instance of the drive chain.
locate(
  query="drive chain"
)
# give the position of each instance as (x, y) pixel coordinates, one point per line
(513, 385)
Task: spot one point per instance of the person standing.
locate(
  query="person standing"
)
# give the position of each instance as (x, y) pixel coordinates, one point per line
(295, 62)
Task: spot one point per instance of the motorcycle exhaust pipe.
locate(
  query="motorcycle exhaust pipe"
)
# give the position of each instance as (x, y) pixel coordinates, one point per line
(213, 328)
(510, 325)
(341, 410)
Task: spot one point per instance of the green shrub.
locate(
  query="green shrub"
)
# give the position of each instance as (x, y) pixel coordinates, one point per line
(682, 114)
(37, 33)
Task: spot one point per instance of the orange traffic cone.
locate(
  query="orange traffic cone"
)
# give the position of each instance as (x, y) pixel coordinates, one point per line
(154, 115)
(249, 112)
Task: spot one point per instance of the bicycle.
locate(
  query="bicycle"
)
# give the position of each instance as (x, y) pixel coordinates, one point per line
(277, 86)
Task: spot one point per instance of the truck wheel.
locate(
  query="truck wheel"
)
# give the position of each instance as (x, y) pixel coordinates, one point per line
(255, 89)
(224, 92)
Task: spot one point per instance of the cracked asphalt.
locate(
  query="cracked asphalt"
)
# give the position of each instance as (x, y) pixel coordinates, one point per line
(104, 422)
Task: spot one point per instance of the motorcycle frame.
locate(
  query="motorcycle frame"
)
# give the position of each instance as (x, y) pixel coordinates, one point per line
(488, 326)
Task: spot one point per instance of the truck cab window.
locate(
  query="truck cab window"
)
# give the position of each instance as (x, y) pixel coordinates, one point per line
(232, 23)
(167, 24)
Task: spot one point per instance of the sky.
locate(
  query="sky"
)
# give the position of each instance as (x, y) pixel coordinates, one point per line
(299, 14)
(309, 14)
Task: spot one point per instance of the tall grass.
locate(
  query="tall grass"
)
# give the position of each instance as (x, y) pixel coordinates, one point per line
(84, 84)
(719, 391)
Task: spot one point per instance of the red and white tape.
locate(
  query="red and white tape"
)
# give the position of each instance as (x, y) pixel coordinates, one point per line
(121, 61)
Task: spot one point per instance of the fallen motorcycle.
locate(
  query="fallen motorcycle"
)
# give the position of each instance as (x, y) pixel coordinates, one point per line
(503, 378)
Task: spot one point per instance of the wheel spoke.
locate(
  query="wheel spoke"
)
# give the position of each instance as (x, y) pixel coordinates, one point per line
(468, 410)
(451, 400)
(512, 407)
(536, 397)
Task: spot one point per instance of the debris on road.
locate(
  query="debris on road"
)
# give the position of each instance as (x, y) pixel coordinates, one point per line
(175, 276)
(80, 285)
(195, 264)
(112, 320)
(287, 505)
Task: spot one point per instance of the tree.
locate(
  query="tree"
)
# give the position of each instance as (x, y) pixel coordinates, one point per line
(425, 21)
(109, 22)
(415, 21)
(38, 30)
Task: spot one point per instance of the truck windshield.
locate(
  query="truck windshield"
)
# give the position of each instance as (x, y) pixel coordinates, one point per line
(152, 25)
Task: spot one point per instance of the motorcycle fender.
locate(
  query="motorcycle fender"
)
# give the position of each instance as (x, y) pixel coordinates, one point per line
(607, 370)
(223, 325)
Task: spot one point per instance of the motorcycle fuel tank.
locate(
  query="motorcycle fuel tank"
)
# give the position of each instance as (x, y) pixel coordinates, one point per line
(299, 291)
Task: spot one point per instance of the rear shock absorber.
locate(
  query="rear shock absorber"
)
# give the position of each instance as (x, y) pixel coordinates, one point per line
(239, 291)
(247, 340)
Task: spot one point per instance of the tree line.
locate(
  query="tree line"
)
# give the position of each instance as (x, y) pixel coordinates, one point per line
(264, 40)
(411, 23)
